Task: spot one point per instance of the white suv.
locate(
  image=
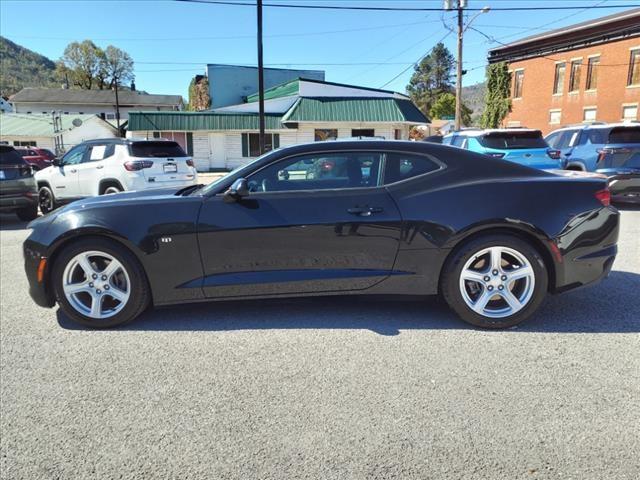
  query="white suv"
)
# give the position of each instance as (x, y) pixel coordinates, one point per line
(99, 167)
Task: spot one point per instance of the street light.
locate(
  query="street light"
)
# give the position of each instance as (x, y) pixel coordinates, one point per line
(461, 29)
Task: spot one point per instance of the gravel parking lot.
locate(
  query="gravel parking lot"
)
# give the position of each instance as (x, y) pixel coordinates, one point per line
(324, 388)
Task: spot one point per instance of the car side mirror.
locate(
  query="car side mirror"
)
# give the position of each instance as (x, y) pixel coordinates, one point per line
(239, 189)
(56, 162)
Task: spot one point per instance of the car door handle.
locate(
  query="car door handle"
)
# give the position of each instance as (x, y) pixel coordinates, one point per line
(100, 166)
(73, 170)
(364, 211)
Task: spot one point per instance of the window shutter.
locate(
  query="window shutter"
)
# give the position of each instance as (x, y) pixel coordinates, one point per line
(245, 145)
(190, 143)
(276, 140)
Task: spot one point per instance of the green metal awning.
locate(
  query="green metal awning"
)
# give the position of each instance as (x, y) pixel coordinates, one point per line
(284, 90)
(191, 121)
(354, 109)
(35, 125)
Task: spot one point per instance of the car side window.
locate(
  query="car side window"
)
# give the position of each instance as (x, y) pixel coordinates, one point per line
(74, 156)
(319, 172)
(95, 153)
(552, 139)
(401, 166)
(458, 140)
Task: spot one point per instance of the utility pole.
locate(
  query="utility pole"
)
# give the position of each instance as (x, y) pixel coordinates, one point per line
(458, 122)
(115, 81)
(460, 5)
(260, 78)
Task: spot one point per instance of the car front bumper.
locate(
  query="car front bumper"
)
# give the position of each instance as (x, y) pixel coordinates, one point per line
(37, 275)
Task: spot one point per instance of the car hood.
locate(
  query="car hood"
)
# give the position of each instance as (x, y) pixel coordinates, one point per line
(123, 199)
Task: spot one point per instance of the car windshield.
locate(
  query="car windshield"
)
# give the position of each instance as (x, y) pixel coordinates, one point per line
(625, 135)
(513, 140)
(9, 156)
(159, 149)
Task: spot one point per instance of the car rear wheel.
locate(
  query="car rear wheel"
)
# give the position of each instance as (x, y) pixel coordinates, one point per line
(495, 281)
(46, 200)
(28, 213)
(111, 189)
(100, 284)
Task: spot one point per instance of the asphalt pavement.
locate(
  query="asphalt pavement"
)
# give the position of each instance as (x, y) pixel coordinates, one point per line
(331, 388)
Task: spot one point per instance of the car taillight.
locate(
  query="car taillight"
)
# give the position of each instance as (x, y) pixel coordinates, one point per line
(554, 154)
(190, 163)
(604, 196)
(135, 165)
(496, 155)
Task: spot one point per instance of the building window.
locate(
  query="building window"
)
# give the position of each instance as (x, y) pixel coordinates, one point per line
(574, 79)
(26, 143)
(397, 134)
(634, 68)
(111, 116)
(363, 132)
(589, 114)
(555, 116)
(630, 112)
(251, 143)
(518, 79)
(558, 82)
(322, 134)
(592, 73)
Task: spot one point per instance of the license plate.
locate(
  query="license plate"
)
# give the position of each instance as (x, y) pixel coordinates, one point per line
(170, 168)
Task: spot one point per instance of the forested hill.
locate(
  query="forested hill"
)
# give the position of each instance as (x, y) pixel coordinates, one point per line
(21, 67)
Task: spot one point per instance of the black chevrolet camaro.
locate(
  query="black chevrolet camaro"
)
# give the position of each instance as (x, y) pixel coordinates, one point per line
(342, 217)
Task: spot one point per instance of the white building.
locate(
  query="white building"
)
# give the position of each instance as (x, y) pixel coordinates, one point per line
(5, 107)
(96, 102)
(299, 111)
(37, 130)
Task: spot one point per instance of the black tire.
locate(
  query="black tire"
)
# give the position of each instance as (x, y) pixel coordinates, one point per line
(46, 200)
(139, 299)
(28, 213)
(111, 189)
(450, 280)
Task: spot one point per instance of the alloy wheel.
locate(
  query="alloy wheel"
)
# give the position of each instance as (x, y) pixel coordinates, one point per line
(96, 284)
(112, 190)
(497, 282)
(45, 201)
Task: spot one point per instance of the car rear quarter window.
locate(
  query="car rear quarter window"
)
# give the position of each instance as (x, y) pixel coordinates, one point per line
(402, 166)
(624, 135)
(597, 136)
(160, 149)
(513, 140)
(9, 156)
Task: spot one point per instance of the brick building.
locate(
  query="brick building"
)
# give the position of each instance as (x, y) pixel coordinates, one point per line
(582, 73)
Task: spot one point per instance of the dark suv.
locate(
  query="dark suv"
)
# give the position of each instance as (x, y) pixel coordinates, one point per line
(18, 189)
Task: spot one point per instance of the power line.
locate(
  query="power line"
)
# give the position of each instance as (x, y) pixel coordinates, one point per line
(403, 9)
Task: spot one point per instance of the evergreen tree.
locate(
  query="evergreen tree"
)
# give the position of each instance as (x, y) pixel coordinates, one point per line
(432, 77)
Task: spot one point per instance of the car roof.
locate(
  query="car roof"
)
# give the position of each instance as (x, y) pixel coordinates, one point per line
(473, 132)
(595, 126)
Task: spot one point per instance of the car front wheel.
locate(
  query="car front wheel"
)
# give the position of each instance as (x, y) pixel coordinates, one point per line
(495, 281)
(99, 283)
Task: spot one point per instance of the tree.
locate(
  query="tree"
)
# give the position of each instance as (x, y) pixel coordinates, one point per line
(432, 77)
(86, 65)
(118, 66)
(199, 98)
(498, 95)
(80, 63)
(445, 106)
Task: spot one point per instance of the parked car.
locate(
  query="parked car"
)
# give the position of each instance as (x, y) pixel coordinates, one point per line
(580, 145)
(33, 157)
(433, 139)
(619, 160)
(408, 218)
(18, 190)
(114, 165)
(44, 152)
(523, 146)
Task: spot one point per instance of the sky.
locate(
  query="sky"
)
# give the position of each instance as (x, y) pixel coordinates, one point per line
(171, 41)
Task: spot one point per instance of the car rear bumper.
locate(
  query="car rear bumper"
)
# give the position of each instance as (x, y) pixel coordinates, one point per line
(10, 202)
(586, 248)
(625, 188)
